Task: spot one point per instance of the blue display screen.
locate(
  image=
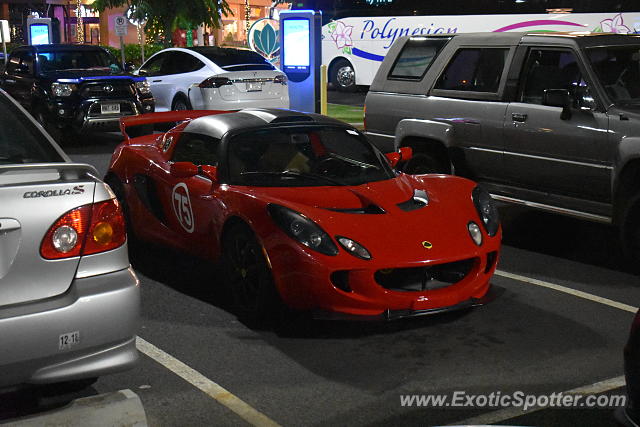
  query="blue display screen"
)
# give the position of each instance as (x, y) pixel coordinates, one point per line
(39, 33)
(296, 44)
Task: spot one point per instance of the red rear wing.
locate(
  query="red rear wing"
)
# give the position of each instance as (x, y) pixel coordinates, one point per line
(158, 118)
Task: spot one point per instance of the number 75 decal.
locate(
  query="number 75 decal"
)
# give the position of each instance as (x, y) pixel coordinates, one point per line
(182, 206)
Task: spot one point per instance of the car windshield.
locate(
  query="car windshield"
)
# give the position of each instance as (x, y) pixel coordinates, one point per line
(20, 141)
(304, 156)
(235, 59)
(618, 69)
(58, 60)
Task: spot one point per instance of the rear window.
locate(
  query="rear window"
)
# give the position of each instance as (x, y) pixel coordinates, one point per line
(474, 70)
(416, 57)
(235, 59)
(20, 141)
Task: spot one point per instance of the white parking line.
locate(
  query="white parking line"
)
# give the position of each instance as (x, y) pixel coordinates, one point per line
(195, 378)
(570, 291)
(513, 412)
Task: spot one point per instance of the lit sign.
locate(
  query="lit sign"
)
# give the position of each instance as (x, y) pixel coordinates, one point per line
(296, 44)
(39, 33)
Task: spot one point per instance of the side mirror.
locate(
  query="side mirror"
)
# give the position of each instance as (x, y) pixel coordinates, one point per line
(183, 170)
(406, 153)
(210, 172)
(558, 98)
(393, 158)
(129, 67)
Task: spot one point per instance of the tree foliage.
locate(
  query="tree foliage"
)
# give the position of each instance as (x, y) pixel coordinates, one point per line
(163, 16)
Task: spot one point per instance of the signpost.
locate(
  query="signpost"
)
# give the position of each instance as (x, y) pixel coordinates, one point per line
(120, 24)
(4, 36)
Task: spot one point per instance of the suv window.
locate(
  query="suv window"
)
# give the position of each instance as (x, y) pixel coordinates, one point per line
(554, 69)
(153, 66)
(20, 63)
(416, 57)
(184, 63)
(20, 140)
(70, 59)
(474, 70)
(196, 148)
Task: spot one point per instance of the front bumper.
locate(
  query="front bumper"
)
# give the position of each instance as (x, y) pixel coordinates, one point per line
(308, 281)
(87, 114)
(104, 310)
(389, 315)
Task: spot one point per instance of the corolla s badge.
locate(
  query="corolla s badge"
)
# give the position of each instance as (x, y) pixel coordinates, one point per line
(427, 245)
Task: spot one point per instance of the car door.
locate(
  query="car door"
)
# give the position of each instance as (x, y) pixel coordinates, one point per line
(189, 206)
(20, 76)
(155, 70)
(178, 71)
(467, 96)
(551, 152)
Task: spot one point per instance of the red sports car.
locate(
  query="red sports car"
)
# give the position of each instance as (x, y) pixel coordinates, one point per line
(301, 209)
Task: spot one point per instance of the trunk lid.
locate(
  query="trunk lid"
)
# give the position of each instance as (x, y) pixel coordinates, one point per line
(33, 197)
(252, 85)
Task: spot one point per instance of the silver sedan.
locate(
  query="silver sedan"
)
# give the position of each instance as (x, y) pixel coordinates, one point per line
(69, 301)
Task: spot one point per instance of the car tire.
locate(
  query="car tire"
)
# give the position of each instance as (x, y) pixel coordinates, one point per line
(180, 103)
(343, 76)
(250, 282)
(423, 163)
(630, 228)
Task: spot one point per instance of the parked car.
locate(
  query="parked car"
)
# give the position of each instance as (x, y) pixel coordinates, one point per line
(74, 88)
(304, 211)
(214, 78)
(550, 121)
(69, 301)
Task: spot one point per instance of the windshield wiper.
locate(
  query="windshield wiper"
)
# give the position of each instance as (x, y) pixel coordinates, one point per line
(296, 174)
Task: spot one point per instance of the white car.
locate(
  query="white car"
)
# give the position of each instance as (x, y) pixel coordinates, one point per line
(214, 78)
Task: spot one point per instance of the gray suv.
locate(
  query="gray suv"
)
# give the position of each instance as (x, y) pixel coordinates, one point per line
(550, 121)
(69, 301)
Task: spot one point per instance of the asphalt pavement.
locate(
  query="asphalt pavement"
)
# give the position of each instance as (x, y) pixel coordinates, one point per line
(535, 339)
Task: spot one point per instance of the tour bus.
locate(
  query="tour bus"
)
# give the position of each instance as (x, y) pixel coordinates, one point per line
(356, 34)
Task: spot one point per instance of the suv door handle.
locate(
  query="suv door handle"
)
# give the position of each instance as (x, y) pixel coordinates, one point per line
(155, 81)
(518, 117)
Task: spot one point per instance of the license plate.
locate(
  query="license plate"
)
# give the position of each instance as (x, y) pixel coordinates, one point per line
(254, 86)
(68, 340)
(110, 108)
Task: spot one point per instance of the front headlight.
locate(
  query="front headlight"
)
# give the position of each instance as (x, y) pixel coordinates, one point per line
(302, 229)
(143, 87)
(62, 89)
(487, 210)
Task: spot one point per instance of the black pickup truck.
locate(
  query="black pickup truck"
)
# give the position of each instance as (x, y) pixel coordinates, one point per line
(74, 88)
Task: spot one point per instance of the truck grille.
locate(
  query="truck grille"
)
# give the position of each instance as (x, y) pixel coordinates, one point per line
(418, 279)
(107, 89)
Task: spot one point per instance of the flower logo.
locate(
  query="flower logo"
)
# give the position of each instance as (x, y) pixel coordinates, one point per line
(341, 35)
(263, 38)
(614, 25)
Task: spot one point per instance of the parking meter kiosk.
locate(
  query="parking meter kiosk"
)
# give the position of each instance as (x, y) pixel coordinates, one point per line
(301, 57)
(39, 31)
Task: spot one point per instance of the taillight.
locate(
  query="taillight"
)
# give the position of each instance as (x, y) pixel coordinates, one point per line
(280, 78)
(215, 82)
(86, 230)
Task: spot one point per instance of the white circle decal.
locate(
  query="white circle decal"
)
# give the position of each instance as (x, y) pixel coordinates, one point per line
(182, 206)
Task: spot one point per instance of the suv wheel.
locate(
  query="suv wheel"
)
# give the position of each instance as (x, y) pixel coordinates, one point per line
(343, 76)
(181, 103)
(422, 163)
(51, 129)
